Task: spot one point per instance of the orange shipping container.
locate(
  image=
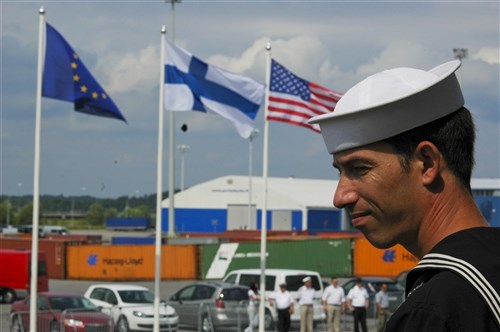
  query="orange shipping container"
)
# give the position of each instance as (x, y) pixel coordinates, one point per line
(130, 262)
(370, 261)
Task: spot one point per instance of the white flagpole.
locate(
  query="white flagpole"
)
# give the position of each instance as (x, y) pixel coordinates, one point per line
(159, 185)
(263, 226)
(36, 175)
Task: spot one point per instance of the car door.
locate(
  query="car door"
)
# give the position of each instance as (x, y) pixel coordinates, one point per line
(182, 303)
(106, 299)
(48, 313)
(202, 302)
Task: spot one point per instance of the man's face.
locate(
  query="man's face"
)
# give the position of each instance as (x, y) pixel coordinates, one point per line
(334, 282)
(381, 198)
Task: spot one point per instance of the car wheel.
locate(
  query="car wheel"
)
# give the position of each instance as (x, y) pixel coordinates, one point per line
(122, 325)
(206, 324)
(9, 296)
(54, 326)
(16, 325)
(268, 321)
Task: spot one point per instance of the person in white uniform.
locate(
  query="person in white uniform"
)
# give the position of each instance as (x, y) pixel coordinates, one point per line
(284, 306)
(333, 301)
(306, 301)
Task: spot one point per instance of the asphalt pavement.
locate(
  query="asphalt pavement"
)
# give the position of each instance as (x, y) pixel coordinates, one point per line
(167, 288)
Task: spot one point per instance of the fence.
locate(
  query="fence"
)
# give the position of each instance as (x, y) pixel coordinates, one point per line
(62, 321)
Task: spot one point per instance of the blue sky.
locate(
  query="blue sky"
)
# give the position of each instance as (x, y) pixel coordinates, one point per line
(333, 43)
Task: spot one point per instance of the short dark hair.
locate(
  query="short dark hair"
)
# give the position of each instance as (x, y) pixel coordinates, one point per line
(454, 135)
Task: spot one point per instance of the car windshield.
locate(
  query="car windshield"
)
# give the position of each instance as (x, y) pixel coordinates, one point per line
(66, 302)
(294, 282)
(136, 296)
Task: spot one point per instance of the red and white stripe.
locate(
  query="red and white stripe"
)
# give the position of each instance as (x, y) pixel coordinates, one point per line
(294, 110)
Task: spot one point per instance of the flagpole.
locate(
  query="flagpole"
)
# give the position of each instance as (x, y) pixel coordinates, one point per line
(36, 176)
(263, 226)
(171, 151)
(159, 185)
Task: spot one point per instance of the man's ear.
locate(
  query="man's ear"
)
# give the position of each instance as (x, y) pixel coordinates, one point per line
(430, 160)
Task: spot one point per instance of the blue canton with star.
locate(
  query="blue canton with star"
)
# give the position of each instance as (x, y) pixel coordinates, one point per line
(283, 81)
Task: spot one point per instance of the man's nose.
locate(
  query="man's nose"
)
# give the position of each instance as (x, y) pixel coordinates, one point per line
(344, 194)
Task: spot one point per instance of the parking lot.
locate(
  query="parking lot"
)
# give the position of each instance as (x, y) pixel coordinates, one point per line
(167, 288)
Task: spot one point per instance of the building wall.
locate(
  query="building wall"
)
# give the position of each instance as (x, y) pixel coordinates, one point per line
(323, 220)
(490, 208)
(215, 220)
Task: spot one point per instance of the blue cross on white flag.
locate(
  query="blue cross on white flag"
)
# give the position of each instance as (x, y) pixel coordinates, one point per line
(193, 85)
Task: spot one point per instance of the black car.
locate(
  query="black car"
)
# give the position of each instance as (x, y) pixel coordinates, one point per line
(211, 306)
(395, 291)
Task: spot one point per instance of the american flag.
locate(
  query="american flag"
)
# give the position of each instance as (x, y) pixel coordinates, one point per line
(294, 100)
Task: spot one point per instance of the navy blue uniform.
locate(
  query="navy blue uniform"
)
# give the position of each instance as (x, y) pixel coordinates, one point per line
(440, 296)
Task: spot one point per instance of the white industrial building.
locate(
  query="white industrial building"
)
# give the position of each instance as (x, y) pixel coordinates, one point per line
(292, 204)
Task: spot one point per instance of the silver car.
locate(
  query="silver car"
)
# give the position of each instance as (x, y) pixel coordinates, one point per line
(211, 306)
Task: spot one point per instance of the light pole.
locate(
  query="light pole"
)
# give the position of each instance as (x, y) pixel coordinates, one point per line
(460, 53)
(19, 185)
(183, 148)
(253, 135)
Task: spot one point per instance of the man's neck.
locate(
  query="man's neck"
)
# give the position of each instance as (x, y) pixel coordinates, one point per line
(450, 211)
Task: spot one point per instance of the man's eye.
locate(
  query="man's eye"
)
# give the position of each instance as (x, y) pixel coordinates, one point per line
(358, 170)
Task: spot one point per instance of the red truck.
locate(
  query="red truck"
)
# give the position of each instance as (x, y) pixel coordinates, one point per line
(15, 267)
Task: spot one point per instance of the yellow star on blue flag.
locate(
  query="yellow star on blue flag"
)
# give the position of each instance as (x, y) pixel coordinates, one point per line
(65, 77)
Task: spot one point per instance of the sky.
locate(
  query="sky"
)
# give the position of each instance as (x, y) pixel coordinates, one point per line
(332, 43)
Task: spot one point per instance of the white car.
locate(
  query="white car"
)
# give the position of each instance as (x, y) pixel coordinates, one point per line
(131, 307)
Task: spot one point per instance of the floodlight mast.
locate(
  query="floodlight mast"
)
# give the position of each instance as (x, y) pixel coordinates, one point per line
(460, 53)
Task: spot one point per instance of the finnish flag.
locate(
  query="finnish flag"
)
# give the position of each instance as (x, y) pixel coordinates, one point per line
(193, 85)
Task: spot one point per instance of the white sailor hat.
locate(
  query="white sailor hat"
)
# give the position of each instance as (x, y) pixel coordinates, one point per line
(389, 103)
(306, 279)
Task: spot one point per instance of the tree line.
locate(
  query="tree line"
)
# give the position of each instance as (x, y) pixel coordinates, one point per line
(75, 211)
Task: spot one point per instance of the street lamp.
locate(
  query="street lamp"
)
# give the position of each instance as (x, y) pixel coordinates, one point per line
(253, 135)
(460, 53)
(183, 148)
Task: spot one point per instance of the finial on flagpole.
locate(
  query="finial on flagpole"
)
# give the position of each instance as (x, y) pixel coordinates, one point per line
(41, 11)
(268, 46)
(163, 29)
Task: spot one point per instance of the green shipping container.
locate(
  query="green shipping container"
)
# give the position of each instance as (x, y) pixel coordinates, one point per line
(329, 257)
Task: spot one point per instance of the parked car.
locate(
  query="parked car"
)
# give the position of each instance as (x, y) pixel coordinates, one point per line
(211, 306)
(60, 312)
(275, 277)
(395, 291)
(132, 307)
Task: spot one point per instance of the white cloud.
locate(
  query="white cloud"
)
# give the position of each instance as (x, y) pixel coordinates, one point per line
(490, 55)
(135, 71)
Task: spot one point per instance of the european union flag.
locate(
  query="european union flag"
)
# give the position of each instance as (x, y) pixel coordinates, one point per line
(65, 77)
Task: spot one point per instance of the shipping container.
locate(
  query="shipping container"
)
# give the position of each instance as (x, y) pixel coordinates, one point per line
(370, 261)
(131, 262)
(55, 250)
(128, 223)
(327, 256)
(132, 240)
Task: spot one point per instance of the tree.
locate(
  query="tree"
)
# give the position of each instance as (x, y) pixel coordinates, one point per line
(6, 212)
(95, 214)
(25, 215)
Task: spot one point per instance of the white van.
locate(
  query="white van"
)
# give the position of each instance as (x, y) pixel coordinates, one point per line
(51, 230)
(275, 277)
